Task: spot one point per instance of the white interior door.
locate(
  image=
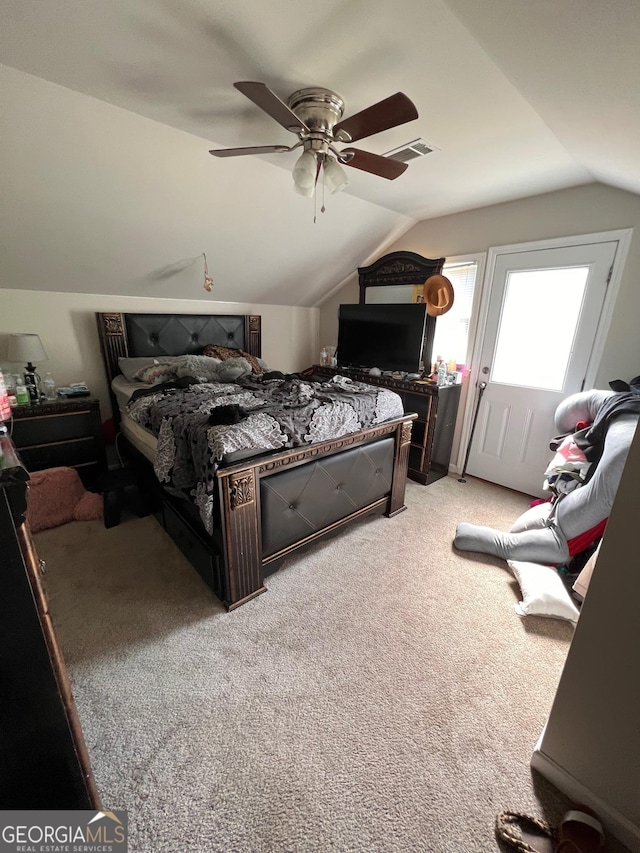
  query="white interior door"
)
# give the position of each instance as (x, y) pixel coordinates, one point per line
(543, 314)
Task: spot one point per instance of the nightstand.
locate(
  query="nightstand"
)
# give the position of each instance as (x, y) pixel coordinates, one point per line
(61, 432)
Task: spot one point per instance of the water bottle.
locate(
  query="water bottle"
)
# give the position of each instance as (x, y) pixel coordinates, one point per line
(442, 373)
(49, 386)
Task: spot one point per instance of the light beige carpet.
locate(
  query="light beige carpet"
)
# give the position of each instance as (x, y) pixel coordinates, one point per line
(383, 695)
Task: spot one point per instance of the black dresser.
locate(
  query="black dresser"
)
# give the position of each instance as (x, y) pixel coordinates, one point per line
(43, 757)
(61, 433)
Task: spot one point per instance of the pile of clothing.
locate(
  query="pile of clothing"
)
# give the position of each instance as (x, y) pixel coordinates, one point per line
(596, 428)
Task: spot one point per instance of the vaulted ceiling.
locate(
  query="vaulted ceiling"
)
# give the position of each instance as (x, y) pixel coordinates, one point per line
(516, 98)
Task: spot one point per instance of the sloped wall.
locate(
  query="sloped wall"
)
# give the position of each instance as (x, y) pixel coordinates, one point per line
(96, 199)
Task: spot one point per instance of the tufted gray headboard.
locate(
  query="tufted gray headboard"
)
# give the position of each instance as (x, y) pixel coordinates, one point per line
(131, 335)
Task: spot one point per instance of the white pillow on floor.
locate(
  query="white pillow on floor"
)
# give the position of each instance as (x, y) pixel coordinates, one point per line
(543, 593)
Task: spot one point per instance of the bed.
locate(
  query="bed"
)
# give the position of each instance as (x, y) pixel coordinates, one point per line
(265, 506)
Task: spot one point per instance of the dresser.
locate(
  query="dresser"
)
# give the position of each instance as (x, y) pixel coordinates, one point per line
(61, 433)
(43, 756)
(433, 429)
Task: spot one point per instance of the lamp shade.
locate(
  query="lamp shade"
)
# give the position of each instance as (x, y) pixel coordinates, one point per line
(25, 348)
(334, 175)
(305, 172)
(306, 191)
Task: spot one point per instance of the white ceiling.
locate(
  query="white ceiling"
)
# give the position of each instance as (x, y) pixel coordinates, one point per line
(519, 97)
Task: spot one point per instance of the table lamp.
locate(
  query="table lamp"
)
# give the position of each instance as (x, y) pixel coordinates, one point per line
(24, 346)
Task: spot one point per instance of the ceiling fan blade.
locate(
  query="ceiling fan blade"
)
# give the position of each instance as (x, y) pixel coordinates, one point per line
(256, 149)
(268, 101)
(394, 110)
(374, 163)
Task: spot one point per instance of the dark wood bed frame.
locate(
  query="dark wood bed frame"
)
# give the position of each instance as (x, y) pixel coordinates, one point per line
(267, 506)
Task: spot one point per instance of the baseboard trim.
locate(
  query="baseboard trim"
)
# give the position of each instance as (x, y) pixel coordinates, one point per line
(614, 823)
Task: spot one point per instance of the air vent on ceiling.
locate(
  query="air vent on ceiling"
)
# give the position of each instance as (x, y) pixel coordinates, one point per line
(411, 150)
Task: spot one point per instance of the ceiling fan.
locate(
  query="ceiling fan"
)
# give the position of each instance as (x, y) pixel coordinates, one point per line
(315, 114)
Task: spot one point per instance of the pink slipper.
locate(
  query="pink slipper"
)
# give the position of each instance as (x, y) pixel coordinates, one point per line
(580, 831)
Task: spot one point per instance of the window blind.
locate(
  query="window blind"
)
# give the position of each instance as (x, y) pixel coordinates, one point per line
(452, 329)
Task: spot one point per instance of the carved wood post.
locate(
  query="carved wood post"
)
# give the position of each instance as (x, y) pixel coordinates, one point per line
(400, 465)
(253, 334)
(240, 503)
(113, 343)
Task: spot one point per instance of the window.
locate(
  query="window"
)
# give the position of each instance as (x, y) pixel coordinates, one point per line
(452, 329)
(516, 360)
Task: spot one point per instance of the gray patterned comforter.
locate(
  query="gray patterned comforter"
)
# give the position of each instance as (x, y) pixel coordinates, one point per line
(277, 414)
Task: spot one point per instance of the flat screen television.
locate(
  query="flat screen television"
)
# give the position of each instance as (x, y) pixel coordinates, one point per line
(391, 336)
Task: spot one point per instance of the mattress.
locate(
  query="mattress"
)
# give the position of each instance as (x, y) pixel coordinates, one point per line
(146, 442)
(142, 439)
(123, 389)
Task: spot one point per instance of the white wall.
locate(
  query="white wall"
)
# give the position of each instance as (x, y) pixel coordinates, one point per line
(67, 327)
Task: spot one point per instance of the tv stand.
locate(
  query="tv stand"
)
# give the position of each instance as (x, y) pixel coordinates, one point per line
(432, 431)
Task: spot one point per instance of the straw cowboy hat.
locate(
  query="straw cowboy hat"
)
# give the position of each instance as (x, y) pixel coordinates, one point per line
(438, 294)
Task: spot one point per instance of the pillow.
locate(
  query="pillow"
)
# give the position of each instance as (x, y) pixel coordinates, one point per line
(543, 592)
(130, 366)
(201, 367)
(233, 369)
(224, 353)
(154, 374)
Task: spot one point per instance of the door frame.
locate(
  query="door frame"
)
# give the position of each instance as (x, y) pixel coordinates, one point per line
(622, 236)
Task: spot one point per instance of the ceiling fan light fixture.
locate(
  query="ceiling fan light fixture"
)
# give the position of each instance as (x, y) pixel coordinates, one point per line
(335, 177)
(315, 115)
(305, 172)
(305, 191)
